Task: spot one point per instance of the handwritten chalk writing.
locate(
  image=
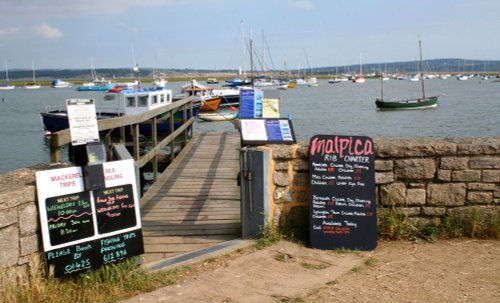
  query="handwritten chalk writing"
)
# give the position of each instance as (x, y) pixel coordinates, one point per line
(60, 206)
(356, 159)
(331, 158)
(351, 224)
(342, 209)
(319, 165)
(77, 266)
(318, 182)
(112, 247)
(107, 209)
(330, 223)
(58, 253)
(341, 145)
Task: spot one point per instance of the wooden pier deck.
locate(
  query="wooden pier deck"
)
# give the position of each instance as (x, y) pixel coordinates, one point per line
(195, 202)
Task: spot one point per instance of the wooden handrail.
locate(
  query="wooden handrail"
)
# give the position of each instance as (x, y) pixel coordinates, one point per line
(166, 112)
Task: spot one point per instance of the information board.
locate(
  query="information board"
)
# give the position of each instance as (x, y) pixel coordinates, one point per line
(86, 229)
(251, 103)
(266, 131)
(82, 121)
(343, 204)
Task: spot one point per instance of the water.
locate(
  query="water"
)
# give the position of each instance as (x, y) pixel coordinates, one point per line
(466, 109)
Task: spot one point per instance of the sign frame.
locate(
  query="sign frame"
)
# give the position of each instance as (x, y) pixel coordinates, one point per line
(261, 131)
(64, 205)
(342, 212)
(82, 120)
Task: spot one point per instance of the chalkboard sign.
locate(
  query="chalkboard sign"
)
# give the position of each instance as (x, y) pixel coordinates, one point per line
(84, 229)
(115, 208)
(343, 205)
(93, 254)
(69, 218)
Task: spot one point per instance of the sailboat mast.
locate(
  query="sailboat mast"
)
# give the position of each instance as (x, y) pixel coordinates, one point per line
(243, 47)
(251, 57)
(421, 66)
(33, 69)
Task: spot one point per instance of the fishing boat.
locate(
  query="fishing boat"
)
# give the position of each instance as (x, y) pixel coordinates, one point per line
(415, 103)
(210, 98)
(124, 103)
(6, 85)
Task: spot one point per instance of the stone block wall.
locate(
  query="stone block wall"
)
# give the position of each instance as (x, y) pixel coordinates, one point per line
(20, 236)
(20, 244)
(424, 179)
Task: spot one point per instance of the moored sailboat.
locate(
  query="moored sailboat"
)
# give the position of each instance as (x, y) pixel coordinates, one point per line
(33, 84)
(6, 85)
(415, 103)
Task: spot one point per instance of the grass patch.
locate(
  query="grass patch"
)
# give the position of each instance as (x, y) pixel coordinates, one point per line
(313, 266)
(280, 257)
(269, 236)
(370, 262)
(469, 222)
(290, 300)
(108, 284)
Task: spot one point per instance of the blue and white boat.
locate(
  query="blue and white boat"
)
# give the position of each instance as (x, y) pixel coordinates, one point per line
(111, 105)
(58, 83)
(96, 85)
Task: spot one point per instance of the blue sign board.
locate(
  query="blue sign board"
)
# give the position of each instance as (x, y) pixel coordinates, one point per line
(251, 103)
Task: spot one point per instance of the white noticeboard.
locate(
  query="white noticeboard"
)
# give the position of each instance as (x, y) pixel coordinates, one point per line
(82, 121)
(253, 130)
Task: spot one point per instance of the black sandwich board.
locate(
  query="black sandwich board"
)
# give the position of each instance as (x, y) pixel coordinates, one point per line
(342, 181)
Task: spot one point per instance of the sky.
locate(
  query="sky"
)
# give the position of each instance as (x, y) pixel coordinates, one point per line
(209, 34)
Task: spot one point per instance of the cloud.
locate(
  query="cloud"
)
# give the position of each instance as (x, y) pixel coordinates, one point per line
(46, 31)
(8, 31)
(303, 4)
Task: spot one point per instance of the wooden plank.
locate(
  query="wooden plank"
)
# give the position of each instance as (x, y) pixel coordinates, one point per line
(195, 203)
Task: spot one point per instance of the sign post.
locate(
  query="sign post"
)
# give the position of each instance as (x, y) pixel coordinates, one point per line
(343, 204)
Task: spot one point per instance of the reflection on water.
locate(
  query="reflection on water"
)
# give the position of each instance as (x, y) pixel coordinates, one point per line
(466, 109)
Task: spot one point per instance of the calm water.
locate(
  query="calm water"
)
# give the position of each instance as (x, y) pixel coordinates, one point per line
(466, 109)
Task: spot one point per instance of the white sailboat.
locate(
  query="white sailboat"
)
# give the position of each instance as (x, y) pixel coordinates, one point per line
(359, 78)
(6, 85)
(33, 84)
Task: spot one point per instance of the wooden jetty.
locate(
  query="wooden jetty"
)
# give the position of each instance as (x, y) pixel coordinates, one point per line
(195, 202)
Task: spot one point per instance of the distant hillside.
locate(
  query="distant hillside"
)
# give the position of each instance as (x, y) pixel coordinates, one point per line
(436, 65)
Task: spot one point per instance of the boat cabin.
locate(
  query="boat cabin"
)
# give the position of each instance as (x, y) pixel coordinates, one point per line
(134, 102)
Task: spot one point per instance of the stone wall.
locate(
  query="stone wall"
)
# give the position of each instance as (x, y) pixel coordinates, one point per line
(424, 179)
(21, 242)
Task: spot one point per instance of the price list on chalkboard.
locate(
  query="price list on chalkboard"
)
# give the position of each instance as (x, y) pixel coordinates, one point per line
(342, 181)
